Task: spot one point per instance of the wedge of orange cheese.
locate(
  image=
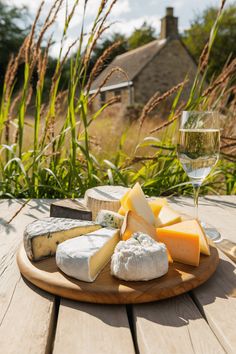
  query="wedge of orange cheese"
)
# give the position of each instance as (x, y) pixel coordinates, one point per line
(194, 227)
(183, 243)
(167, 216)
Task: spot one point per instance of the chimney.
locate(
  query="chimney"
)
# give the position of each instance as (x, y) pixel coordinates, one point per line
(169, 25)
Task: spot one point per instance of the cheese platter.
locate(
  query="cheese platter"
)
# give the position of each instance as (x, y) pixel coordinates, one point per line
(134, 250)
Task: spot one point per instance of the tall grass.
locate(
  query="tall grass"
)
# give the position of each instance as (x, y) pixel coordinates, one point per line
(59, 161)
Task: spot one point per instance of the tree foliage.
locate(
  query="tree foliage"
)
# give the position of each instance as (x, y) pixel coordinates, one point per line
(105, 44)
(141, 36)
(224, 48)
(14, 26)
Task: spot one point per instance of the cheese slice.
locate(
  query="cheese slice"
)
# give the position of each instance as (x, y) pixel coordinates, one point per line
(137, 202)
(84, 257)
(167, 216)
(193, 226)
(42, 237)
(135, 223)
(156, 204)
(183, 246)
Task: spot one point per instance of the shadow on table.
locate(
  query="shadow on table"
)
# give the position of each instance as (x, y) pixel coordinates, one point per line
(42, 205)
(221, 202)
(221, 285)
(5, 227)
(179, 310)
(206, 200)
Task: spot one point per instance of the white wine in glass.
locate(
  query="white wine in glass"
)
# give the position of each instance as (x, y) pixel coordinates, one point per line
(198, 150)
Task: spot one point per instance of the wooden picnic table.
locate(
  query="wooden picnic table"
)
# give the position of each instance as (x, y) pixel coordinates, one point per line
(34, 322)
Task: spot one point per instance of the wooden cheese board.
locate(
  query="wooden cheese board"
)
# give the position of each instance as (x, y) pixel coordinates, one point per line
(106, 289)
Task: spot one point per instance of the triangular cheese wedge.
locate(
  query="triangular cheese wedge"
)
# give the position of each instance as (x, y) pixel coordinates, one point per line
(156, 204)
(135, 223)
(183, 246)
(137, 202)
(193, 226)
(167, 216)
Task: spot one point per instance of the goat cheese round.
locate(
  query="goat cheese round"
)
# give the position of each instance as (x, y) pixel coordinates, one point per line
(139, 258)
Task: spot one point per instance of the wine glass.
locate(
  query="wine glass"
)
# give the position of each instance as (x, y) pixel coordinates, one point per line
(198, 151)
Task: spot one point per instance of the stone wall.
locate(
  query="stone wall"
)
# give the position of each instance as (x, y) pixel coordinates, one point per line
(168, 68)
(125, 99)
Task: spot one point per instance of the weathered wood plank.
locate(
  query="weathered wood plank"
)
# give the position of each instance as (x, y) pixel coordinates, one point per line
(27, 310)
(173, 326)
(9, 208)
(220, 212)
(88, 328)
(217, 300)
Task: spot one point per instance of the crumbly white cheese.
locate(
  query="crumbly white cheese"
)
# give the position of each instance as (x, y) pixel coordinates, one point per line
(108, 218)
(42, 237)
(84, 257)
(139, 258)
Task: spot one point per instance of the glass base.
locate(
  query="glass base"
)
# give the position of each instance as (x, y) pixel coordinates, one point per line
(211, 232)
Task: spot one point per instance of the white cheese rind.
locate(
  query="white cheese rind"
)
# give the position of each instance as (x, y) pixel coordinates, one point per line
(41, 237)
(139, 258)
(84, 257)
(104, 197)
(108, 218)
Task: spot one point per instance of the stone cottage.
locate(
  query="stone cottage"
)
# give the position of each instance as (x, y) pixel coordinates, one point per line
(156, 66)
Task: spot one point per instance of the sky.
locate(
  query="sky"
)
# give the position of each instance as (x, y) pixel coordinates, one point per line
(127, 14)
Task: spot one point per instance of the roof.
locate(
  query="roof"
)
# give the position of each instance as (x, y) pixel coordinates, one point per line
(132, 62)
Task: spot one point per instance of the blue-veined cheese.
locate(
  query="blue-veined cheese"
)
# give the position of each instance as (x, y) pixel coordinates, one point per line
(108, 218)
(42, 237)
(84, 257)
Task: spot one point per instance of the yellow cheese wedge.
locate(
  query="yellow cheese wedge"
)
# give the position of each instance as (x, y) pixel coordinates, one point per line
(122, 211)
(156, 204)
(193, 226)
(124, 198)
(137, 202)
(135, 223)
(184, 247)
(167, 216)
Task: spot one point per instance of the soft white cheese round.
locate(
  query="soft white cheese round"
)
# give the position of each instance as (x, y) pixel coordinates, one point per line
(139, 258)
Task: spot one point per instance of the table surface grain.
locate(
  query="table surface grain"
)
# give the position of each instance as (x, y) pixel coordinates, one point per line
(34, 322)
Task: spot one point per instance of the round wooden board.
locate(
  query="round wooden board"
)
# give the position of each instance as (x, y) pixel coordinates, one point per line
(109, 290)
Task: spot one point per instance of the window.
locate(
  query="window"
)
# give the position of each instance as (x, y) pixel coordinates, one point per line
(117, 93)
(102, 98)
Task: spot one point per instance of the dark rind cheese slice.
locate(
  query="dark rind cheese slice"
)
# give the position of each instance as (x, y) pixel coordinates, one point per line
(70, 208)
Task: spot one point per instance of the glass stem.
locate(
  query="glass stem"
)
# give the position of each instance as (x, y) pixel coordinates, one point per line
(196, 189)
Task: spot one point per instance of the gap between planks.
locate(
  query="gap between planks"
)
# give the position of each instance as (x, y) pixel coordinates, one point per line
(18, 211)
